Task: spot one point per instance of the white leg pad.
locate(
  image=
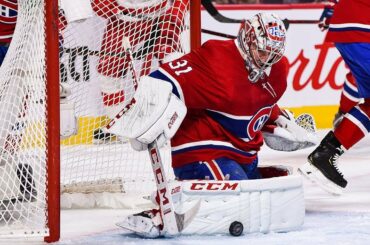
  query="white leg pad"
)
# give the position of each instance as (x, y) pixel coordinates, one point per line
(263, 205)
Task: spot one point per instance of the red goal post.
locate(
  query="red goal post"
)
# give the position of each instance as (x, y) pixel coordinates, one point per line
(53, 45)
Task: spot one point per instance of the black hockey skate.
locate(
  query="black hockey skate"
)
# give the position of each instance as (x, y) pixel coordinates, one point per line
(324, 159)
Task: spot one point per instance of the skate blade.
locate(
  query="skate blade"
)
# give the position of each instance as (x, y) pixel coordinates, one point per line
(314, 175)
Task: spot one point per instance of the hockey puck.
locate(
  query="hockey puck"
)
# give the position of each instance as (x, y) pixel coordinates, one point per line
(236, 228)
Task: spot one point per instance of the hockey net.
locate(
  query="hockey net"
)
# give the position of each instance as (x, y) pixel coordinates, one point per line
(96, 68)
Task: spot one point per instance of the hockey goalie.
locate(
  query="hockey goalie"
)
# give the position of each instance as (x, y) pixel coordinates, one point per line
(213, 103)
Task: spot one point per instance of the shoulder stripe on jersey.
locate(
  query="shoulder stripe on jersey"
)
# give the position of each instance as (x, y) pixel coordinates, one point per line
(160, 75)
(360, 119)
(210, 144)
(164, 75)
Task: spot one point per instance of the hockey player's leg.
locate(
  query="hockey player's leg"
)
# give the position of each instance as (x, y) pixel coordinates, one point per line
(348, 99)
(322, 162)
(354, 126)
(321, 167)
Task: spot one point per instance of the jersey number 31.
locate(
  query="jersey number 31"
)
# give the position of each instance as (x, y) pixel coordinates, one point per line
(180, 66)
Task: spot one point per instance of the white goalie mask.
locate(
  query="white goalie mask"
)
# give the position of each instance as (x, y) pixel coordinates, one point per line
(261, 40)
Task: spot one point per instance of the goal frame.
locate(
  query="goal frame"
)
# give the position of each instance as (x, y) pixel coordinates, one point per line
(53, 110)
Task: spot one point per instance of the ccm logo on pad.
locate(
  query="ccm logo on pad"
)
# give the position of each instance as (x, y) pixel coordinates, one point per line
(172, 120)
(213, 186)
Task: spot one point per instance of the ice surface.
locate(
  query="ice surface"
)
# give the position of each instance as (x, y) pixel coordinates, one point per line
(329, 219)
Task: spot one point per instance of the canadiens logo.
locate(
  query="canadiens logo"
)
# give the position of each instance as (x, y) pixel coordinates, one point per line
(8, 12)
(257, 121)
(275, 33)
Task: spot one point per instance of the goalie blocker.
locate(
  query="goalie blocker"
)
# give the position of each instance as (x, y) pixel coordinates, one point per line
(154, 113)
(231, 207)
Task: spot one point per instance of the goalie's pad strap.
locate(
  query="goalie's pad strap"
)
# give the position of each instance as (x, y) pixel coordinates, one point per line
(263, 205)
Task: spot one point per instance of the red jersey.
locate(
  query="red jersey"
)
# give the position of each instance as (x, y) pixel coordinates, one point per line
(8, 19)
(350, 22)
(225, 110)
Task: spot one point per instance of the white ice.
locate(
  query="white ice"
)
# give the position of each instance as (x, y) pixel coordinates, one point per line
(329, 219)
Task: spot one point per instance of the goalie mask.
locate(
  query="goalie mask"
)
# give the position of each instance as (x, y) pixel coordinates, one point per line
(262, 43)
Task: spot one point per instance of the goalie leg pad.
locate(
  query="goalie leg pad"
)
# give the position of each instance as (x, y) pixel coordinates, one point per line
(263, 205)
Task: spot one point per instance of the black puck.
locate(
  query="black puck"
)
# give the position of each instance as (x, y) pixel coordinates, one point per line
(236, 228)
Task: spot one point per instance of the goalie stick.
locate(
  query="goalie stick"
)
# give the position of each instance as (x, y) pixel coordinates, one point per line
(173, 223)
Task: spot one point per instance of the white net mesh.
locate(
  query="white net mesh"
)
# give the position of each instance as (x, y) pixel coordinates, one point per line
(94, 64)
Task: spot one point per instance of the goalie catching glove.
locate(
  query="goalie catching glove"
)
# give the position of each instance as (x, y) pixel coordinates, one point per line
(289, 133)
(155, 113)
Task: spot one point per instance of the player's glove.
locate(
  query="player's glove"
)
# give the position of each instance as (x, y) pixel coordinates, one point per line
(326, 15)
(289, 133)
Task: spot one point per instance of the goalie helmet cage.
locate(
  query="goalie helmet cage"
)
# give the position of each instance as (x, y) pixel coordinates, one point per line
(78, 43)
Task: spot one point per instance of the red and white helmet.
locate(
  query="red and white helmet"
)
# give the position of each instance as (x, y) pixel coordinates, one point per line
(262, 41)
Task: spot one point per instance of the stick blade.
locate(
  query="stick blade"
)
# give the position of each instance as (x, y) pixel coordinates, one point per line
(184, 219)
